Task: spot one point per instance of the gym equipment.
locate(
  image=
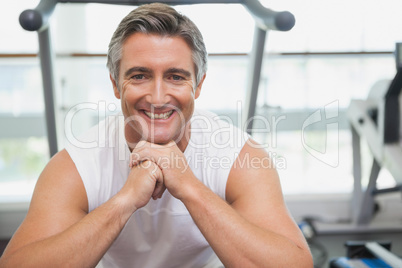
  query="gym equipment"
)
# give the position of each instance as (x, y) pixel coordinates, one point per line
(377, 119)
(367, 254)
(38, 20)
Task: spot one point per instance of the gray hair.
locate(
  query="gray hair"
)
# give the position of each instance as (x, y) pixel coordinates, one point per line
(158, 19)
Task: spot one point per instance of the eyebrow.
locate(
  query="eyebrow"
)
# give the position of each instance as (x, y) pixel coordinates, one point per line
(137, 69)
(183, 72)
(141, 69)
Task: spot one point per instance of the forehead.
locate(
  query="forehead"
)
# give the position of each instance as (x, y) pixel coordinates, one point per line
(155, 52)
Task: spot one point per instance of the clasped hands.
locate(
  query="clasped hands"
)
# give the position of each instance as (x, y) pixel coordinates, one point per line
(155, 168)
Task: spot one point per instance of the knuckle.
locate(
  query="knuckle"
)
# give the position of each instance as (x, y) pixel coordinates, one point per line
(146, 164)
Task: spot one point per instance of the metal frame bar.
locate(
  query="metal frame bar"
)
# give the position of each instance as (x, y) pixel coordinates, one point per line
(38, 20)
(363, 197)
(46, 62)
(141, 2)
(357, 176)
(382, 253)
(254, 76)
(367, 205)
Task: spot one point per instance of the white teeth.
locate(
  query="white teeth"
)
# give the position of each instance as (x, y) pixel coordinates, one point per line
(158, 116)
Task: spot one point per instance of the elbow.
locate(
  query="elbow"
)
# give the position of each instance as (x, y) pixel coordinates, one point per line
(303, 258)
(296, 257)
(308, 259)
(272, 256)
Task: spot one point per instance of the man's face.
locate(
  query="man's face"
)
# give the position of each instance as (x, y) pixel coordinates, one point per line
(157, 88)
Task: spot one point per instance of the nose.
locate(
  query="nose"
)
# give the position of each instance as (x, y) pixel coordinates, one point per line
(158, 95)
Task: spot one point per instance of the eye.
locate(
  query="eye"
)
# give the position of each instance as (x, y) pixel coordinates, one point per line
(138, 77)
(177, 77)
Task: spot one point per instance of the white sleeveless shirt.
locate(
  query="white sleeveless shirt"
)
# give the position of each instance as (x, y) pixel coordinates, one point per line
(161, 234)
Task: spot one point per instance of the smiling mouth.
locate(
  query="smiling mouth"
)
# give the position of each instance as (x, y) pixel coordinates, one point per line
(159, 116)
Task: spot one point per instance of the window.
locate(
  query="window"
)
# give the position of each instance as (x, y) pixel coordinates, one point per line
(301, 75)
(23, 144)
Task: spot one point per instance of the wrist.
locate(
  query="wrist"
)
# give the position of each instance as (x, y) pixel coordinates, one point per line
(192, 191)
(125, 203)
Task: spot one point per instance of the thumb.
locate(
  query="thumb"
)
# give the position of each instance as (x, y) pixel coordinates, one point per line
(159, 185)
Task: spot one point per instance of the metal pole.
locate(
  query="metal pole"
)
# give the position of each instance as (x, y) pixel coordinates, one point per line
(254, 76)
(366, 210)
(38, 20)
(357, 195)
(46, 53)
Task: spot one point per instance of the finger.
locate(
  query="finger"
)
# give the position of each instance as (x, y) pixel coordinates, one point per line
(141, 144)
(150, 165)
(164, 189)
(159, 185)
(146, 153)
(159, 190)
(171, 143)
(134, 159)
(137, 158)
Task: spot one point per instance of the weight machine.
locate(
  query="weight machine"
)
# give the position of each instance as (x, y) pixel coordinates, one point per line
(377, 119)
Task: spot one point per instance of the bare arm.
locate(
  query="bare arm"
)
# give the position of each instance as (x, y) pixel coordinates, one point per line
(58, 231)
(254, 229)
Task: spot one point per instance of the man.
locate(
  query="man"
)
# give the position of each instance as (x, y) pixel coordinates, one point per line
(169, 188)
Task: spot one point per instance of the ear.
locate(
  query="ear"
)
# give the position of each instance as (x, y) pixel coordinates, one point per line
(115, 88)
(198, 89)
